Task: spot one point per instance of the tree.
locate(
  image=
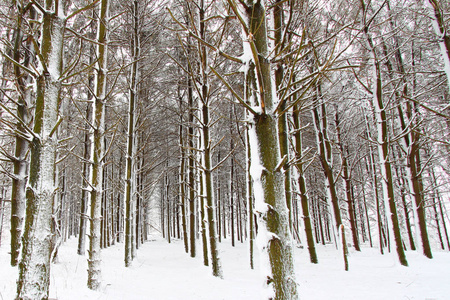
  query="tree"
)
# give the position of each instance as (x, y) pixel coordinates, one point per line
(23, 79)
(34, 268)
(98, 148)
(268, 180)
(131, 148)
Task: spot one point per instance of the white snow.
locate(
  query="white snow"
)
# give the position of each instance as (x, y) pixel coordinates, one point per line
(164, 271)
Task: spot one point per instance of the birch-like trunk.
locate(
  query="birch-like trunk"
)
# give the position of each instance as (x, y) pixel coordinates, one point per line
(34, 268)
(98, 149)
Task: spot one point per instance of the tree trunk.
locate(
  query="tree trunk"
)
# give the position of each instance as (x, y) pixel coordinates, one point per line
(302, 187)
(34, 268)
(278, 17)
(24, 101)
(270, 198)
(130, 161)
(98, 150)
(84, 193)
(206, 143)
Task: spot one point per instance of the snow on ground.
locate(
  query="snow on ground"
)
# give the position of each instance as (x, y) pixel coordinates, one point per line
(163, 271)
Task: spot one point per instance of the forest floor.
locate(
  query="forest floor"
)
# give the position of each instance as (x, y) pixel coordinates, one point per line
(163, 271)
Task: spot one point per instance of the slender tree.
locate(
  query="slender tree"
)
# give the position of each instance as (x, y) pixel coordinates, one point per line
(23, 79)
(34, 267)
(98, 148)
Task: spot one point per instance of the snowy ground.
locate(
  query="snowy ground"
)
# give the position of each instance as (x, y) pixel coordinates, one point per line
(163, 271)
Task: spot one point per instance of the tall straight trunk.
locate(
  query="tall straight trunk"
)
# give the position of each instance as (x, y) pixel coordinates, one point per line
(270, 199)
(191, 169)
(302, 186)
(383, 147)
(249, 191)
(346, 175)
(130, 160)
(232, 205)
(34, 267)
(203, 220)
(206, 143)
(84, 193)
(98, 149)
(278, 17)
(20, 169)
(182, 178)
(120, 207)
(167, 202)
(219, 201)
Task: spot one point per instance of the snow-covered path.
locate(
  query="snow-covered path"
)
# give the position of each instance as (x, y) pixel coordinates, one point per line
(163, 271)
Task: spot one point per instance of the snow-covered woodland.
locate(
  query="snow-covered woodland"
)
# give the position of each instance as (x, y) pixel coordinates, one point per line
(224, 149)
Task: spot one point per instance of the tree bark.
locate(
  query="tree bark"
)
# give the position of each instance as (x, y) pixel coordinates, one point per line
(34, 268)
(130, 179)
(98, 149)
(270, 198)
(19, 181)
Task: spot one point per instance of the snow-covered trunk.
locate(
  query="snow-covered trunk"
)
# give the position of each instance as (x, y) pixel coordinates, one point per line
(206, 143)
(24, 102)
(278, 20)
(191, 169)
(84, 194)
(34, 267)
(302, 186)
(98, 150)
(274, 239)
(383, 151)
(86, 153)
(182, 176)
(439, 26)
(129, 169)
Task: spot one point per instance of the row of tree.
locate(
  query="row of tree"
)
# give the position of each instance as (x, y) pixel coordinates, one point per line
(273, 122)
